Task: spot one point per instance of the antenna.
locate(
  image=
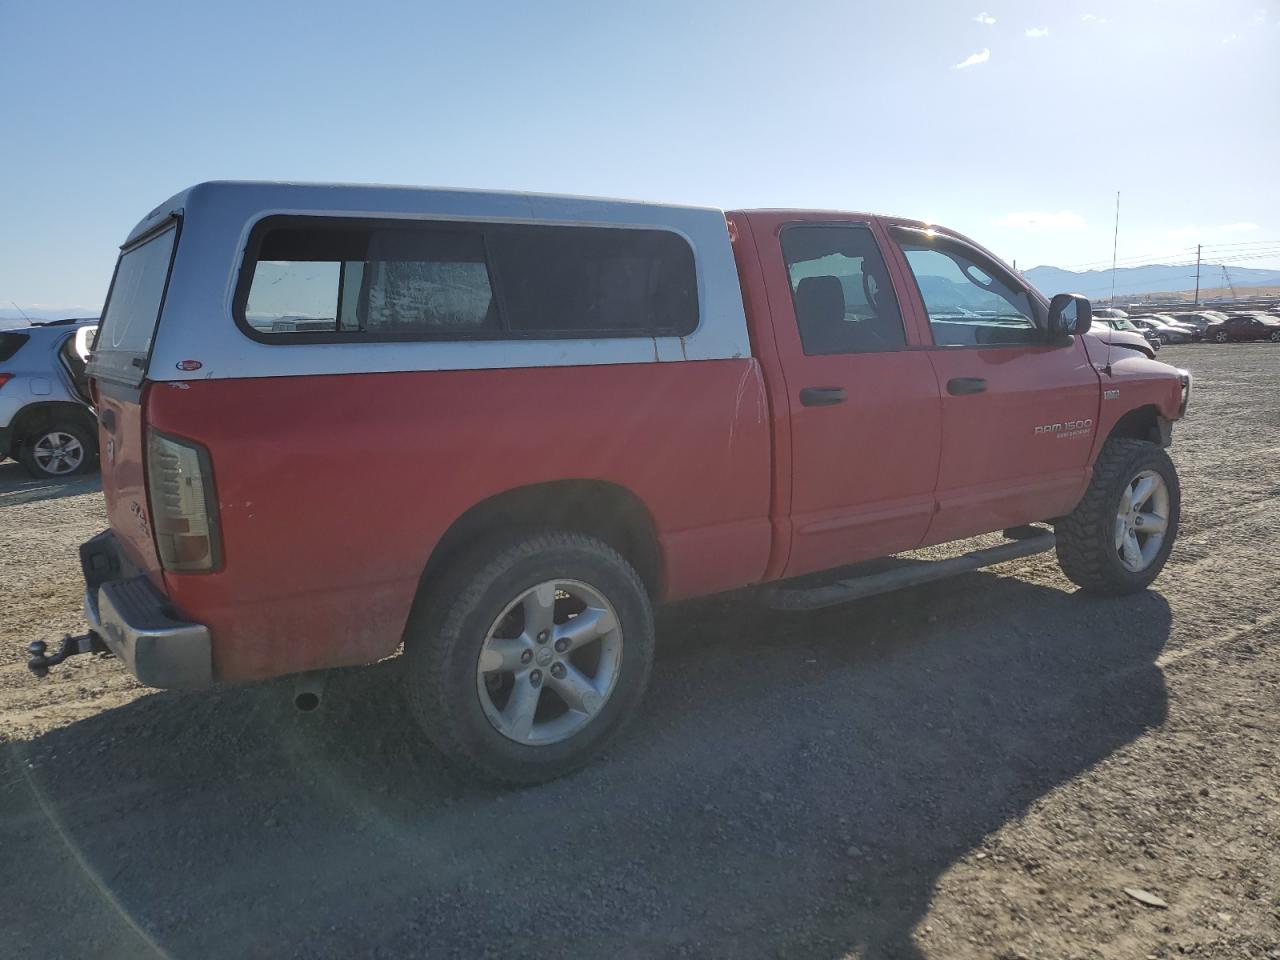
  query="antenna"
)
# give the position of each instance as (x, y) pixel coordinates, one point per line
(21, 311)
(1115, 246)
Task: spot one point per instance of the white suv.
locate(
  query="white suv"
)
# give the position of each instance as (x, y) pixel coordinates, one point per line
(46, 422)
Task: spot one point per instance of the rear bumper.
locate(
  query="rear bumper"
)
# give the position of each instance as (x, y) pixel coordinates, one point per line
(137, 622)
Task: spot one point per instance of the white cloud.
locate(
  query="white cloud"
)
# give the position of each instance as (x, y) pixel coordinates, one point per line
(974, 59)
(1231, 38)
(1093, 18)
(1259, 15)
(1042, 220)
(1184, 233)
(1037, 31)
(1243, 226)
(985, 18)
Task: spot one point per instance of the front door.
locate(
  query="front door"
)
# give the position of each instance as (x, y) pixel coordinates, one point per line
(1018, 412)
(864, 410)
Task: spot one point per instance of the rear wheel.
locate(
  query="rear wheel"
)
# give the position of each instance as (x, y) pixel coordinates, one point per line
(525, 660)
(61, 450)
(1275, 336)
(1119, 536)
(1222, 336)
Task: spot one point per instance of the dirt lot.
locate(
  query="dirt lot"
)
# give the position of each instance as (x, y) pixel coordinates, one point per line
(972, 769)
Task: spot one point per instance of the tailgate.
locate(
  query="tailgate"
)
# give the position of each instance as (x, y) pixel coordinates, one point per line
(123, 447)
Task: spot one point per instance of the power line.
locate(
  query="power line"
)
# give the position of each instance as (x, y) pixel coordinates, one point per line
(1180, 258)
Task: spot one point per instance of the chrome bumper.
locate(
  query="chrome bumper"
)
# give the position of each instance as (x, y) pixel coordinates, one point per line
(1185, 377)
(138, 624)
(161, 651)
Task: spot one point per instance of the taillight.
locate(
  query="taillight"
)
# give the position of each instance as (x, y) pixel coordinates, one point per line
(5, 378)
(184, 509)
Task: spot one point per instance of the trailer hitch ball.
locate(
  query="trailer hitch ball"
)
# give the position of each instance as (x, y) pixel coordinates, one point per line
(41, 660)
(39, 663)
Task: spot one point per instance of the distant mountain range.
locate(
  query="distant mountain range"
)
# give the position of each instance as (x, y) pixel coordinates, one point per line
(1156, 278)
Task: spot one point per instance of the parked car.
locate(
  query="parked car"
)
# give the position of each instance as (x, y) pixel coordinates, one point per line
(1201, 320)
(1166, 329)
(1245, 326)
(577, 409)
(1109, 313)
(46, 423)
(1122, 339)
(1128, 326)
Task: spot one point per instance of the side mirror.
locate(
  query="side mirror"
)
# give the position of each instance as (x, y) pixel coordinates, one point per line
(1069, 313)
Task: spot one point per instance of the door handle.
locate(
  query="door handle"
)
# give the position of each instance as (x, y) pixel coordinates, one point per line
(960, 386)
(822, 396)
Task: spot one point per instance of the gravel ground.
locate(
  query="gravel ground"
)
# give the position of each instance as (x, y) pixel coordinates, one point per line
(977, 768)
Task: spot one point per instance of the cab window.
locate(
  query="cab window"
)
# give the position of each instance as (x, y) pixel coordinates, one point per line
(971, 301)
(843, 299)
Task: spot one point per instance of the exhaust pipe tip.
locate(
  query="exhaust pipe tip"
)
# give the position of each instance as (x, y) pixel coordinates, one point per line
(306, 701)
(308, 689)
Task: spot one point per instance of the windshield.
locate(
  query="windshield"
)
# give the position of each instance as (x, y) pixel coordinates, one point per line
(133, 309)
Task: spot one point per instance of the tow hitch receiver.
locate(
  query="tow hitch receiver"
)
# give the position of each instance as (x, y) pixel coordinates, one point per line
(40, 662)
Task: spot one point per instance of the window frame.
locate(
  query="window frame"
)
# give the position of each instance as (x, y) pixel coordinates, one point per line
(888, 270)
(985, 262)
(252, 246)
(174, 222)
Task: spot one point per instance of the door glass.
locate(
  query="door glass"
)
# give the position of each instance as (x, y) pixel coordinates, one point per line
(968, 301)
(840, 288)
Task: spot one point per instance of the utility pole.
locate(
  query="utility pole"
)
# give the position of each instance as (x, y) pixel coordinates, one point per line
(1197, 303)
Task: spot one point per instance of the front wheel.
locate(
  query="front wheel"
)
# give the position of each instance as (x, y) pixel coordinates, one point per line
(529, 656)
(1119, 536)
(1222, 336)
(1275, 337)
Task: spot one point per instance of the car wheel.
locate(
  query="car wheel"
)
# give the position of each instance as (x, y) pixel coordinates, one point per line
(1164, 338)
(1119, 536)
(1221, 336)
(529, 656)
(61, 450)
(1275, 337)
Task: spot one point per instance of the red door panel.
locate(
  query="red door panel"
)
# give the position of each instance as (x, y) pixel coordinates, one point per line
(1018, 451)
(863, 466)
(1018, 419)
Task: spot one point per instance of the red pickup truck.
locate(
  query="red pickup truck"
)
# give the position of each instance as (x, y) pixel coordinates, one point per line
(498, 428)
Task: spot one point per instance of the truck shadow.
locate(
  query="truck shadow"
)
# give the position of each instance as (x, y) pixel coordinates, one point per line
(17, 486)
(796, 784)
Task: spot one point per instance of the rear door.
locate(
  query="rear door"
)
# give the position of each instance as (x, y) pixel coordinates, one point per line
(117, 371)
(863, 406)
(1018, 413)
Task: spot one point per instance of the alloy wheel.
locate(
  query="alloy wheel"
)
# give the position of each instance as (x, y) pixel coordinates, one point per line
(549, 662)
(58, 453)
(1141, 520)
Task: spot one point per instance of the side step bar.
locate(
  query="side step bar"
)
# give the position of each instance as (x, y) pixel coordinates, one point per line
(911, 574)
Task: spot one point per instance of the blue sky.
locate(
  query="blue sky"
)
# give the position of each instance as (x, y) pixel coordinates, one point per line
(110, 108)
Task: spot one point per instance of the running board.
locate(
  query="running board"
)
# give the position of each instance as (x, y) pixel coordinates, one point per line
(913, 573)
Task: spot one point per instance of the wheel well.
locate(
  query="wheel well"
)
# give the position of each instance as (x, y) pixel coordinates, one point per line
(39, 416)
(592, 507)
(1142, 423)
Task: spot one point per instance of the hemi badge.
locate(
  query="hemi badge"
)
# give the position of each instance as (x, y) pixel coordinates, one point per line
(1110, 394)
(188, 364)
